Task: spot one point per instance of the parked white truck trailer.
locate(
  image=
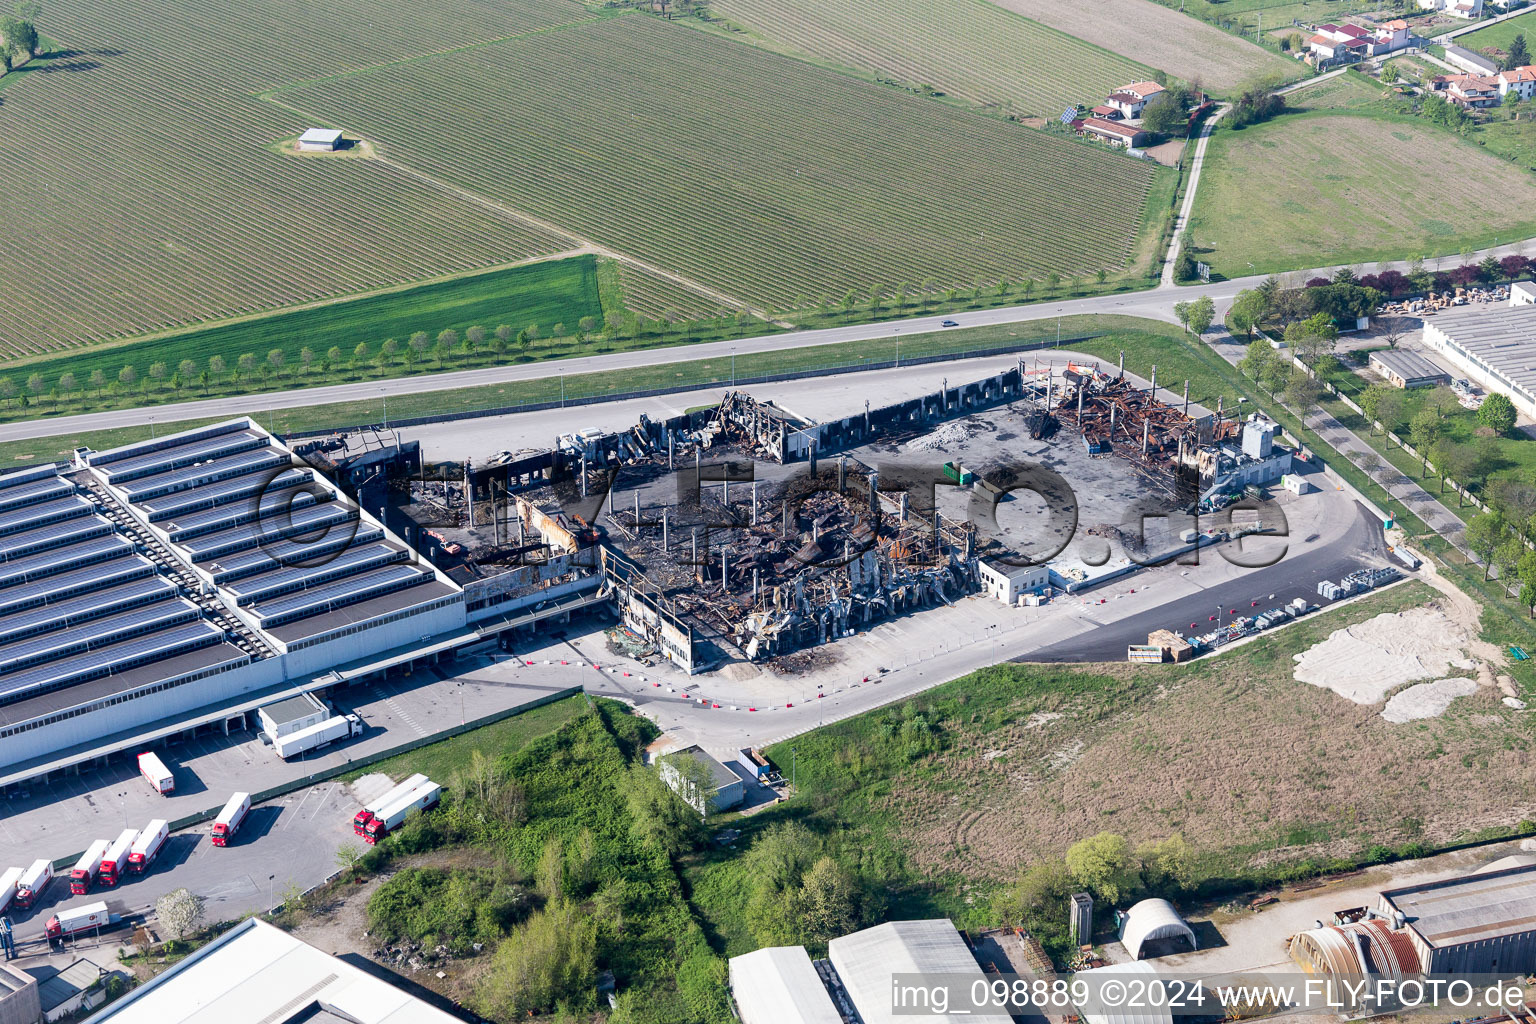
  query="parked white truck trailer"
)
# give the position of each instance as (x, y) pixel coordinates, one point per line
(231, 818)
(33, 882)
(370, 811)
(422, 798)
(80, 919)
(114, 863)
(318, 735)
(9, 883)
(147, 847)
(159, 776)
(88, 867)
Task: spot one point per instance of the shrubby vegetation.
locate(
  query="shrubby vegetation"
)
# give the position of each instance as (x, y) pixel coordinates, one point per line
(581, 838)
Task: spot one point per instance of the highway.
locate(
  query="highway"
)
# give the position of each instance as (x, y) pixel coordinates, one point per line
(1156, 303)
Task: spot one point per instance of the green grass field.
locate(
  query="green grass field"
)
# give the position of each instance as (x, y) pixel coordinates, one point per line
(916, 44)
(560, 291)
(440, 760)
(1371, 181)
(799, 181)
(1495, 39)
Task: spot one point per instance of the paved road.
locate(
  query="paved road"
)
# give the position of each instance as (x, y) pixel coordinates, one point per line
(1155, 304)
(1473, 26)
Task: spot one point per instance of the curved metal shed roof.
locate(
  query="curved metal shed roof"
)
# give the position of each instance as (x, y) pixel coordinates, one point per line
(1122, 1014)
(1363, 947)
(1153, 919)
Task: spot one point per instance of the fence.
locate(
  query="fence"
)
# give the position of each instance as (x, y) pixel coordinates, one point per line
(188, 820)
(726, 381)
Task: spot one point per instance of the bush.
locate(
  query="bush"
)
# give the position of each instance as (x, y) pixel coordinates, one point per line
(431, 905)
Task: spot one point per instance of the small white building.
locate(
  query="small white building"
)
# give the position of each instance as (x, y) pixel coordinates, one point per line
(1153, 928)
(1295, 484)
(1455, 8)
(320, 140)
(1522, 293)
(1009, 583)
(292, 715)
(779, 985)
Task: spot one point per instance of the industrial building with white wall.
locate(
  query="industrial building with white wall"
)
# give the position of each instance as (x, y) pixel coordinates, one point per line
(186, 581)
(1495, 346)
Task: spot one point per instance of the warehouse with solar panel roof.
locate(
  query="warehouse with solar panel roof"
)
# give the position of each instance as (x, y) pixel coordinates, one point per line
(185, 581)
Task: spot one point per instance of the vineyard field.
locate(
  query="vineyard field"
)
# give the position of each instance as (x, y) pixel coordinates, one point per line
(969, 49)
(653, 296)
(143, 189)
(763, 176)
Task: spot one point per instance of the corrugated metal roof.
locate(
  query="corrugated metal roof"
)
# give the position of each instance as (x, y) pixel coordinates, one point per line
(1502, 338)
(1338, 949)
(1153, 919)
(779, 985)
(1470, 909)
(1140, 1014)
(866, 960)
(1408, 365)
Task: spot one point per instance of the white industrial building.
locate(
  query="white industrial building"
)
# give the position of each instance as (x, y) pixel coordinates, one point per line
(779, 985)
(867, 960)
(256, 972)
(1010, 583)
(186, 581)
(1493, 345)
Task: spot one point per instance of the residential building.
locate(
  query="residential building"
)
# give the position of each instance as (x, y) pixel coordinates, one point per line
(1472, 91)
(1455, 8)
(1131, 99)
(1389, 36)
(1113, 132)
(1408, 369)
(1009, 583)
(1517, 82)
(1107, 112)
(257, 972)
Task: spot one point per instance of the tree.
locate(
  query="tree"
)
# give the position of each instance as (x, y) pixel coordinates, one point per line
(1247, 311)
(419, 343)
(1256, 360)
(187, 370)
(1166, 862)
(1164, 115)
(1506, 558)
(1489, 269)
(1497, 413)
(126, 376)
(1423, 430)
(475, 336)
(829, 901)
(389, 350)
(548, 960)
(1183, 311)
(1518, 56)
(20, 36)
(216, 367)
(1389, 410)
(1302, 391)
(179, 911)
(332, 357)
(360, 354)
(1202, 313)
(98, 381)
(1184, 268)
(1483, 536)
(67, 383)
(36, 385)
(585, 326)
(849, 301)
(1053, 281)
(246, 364)
(276, 358)
(158, 371)
(503, 335)
(1102, 864)
(347, 856)
(1526, 570)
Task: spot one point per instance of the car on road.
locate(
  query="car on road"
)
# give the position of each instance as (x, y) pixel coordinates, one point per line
(950, 323)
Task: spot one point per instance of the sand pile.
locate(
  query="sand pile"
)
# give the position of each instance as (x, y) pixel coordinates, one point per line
(1426, 700)
(1365, 662)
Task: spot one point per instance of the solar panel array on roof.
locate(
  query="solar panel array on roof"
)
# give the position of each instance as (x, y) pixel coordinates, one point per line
(350, 562)
(32, 492)
(182, 455)
(158, 509)
(107, 629)
(66, 556)
(76, 668)
(69, 584)
(212, 471)
(15, 545)
(339, 594)
(310, 523)
(295, 554)
(291, 489)
(30, 517)
(65, 613)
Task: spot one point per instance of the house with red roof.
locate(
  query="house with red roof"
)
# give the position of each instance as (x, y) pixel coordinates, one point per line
(1113, 132)
(1132, 99)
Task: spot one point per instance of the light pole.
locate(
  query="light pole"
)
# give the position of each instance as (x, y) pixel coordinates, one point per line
(385, 393)
(733, 366)
(792, 774)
